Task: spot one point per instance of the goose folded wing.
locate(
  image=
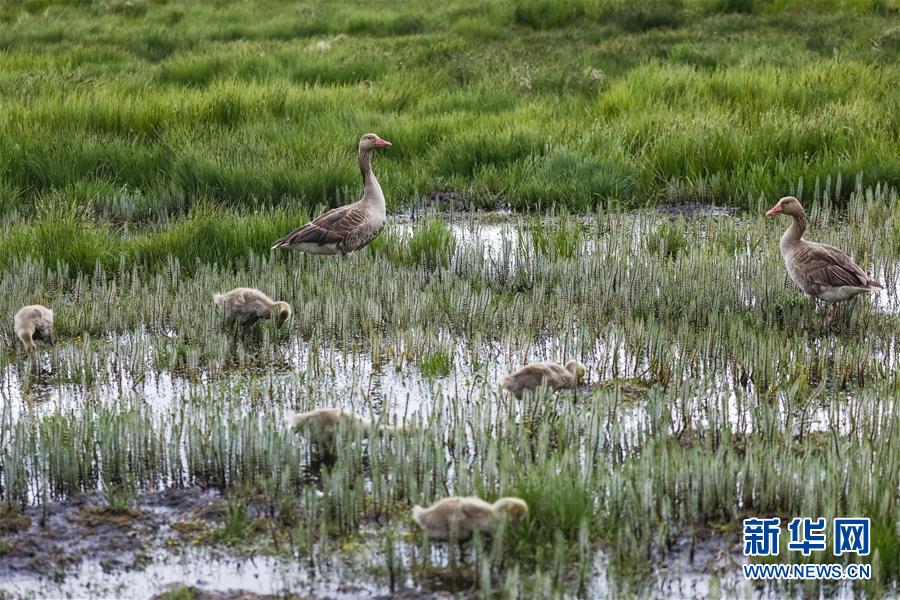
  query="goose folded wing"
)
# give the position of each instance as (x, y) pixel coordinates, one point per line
(253, 305)
(830, 267)
(328, 228)
(475, 511)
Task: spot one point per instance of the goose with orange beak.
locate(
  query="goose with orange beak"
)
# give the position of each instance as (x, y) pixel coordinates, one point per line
(823, 272)
(346, 228)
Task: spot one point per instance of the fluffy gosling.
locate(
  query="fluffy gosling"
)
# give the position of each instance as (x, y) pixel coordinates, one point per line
(553, 375)
(322, 423)
(33, 322)
(457, 517)
(248, 305)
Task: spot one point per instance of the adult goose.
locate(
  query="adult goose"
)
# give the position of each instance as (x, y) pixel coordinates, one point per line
(823, 272)
(346, 228)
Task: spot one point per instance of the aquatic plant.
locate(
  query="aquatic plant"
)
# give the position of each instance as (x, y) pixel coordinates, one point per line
(740, 397)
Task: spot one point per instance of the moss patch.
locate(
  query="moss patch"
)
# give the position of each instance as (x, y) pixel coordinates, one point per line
(12, 520)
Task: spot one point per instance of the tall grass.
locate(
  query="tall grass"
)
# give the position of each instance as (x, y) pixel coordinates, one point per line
(527, 103)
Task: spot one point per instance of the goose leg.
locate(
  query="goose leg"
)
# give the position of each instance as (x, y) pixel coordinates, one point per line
(831, 314)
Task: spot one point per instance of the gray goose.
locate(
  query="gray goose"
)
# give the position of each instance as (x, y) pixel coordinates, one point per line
(459, 516)
(248, 305)
(33, 322)
(555, 376)
(823, 272)
(345, 228)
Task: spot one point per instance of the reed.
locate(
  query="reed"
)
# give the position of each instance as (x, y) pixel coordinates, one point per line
(740, 395)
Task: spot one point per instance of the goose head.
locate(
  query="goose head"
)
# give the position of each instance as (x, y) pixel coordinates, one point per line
(576, 368)
(370, 141)
(516, 508)
(281, 312)
(789, 205)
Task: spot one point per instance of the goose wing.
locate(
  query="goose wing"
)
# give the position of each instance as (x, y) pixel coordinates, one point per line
(252, 304)
(330, 227)
(830, 267)
(475, 509)
(476, 514)
(538, 371)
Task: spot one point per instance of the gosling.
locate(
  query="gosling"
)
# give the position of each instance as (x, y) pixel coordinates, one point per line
(33, 322)
(247, 306)
(555, 376)
(322, 423)
(459, 517)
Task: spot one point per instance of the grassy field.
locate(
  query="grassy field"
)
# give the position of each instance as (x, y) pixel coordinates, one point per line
(151, 151)
(120, 119)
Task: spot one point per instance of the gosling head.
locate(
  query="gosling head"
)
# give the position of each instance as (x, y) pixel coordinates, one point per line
(516, 508)
(576, 368)
(370, 141)
(789, 205)
(281, 312)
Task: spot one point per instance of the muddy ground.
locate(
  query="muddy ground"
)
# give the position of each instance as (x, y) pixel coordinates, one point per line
(47, 540)
(48, 543)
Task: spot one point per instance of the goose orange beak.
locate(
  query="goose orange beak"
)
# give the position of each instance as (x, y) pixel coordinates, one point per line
(774, 210)
(380, 143)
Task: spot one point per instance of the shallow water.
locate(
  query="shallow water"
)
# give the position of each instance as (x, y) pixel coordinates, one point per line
(206, 569)
(393, 389)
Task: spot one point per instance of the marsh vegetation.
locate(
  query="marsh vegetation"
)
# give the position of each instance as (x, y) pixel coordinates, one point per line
(152, 151)
(709, 398)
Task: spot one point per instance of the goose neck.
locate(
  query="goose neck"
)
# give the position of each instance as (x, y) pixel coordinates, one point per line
(371, 189)
(794, 233)
(365, 164)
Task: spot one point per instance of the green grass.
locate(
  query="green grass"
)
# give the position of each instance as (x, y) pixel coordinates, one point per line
(560, 239)
(436, 364)
(236, 525)
(180, 593)
(669, 238)
(431, 244)
(139, 111)
(151, 152)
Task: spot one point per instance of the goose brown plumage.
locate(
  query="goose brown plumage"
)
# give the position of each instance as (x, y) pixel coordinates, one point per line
(823, 272)
(346, 228)
(459, 516)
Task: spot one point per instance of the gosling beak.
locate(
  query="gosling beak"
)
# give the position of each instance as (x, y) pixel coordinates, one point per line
(380, 143)
(774, 210)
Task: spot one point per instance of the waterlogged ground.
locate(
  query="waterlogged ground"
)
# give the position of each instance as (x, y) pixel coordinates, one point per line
(146, 448)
